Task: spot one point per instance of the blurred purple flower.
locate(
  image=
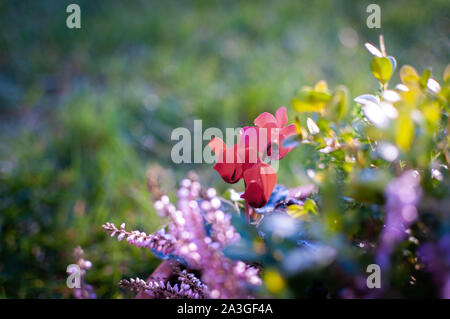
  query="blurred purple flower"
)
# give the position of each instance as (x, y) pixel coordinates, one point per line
(402, 197)
(435, 258)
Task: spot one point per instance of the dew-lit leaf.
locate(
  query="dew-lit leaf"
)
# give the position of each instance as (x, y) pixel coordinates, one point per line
(373, 50)
(389, 110)
(433, 85)
(375, 115)
(312, 126)
(393, 62)
(391, 96)
(367, 98)
(401, 87)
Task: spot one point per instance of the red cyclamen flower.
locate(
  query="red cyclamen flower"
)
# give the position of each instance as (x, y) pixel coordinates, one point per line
(233, 161)
(242, 160)
(271, 130)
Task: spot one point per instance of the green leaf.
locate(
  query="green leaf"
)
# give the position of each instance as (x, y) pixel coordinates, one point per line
(341, 105)
(424, 78)
(381, 69)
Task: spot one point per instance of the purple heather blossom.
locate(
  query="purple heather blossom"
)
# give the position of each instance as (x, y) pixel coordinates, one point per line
(159, 242)
(85, 291)
(402, 197)
(436, 259)
(198, 229)
(187, 287)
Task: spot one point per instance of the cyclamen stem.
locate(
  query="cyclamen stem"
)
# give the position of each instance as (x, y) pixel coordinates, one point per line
(247, 211)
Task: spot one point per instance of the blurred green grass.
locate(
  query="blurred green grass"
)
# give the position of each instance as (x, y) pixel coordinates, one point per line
(83, 113)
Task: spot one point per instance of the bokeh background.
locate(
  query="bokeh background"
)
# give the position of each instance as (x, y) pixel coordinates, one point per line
(85, 113)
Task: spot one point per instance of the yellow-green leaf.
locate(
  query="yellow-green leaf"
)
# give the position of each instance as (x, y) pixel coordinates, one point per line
(381, 69)
(309, 100)
(274, 282)
(404, 132)
(310, 206)
(424, 78)
(447, 73)
(321, 86)
(341, 98)
(300, 130)
(303, 106)
(432, 114)
(409, 75)
(297, 211)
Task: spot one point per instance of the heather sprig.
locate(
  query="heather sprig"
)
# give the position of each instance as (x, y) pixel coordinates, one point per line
(160, 289)
(188, 281)
(159, 242)
(181, 284)
(85, 291)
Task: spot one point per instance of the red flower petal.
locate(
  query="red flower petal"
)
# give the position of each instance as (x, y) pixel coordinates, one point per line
(254, 195)
(281, 116)
(233, 161)
(230, 172)
(260, 182)
(218, 146)
(288, 130)
(227, 165)
(270, 130)
(265, 120)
